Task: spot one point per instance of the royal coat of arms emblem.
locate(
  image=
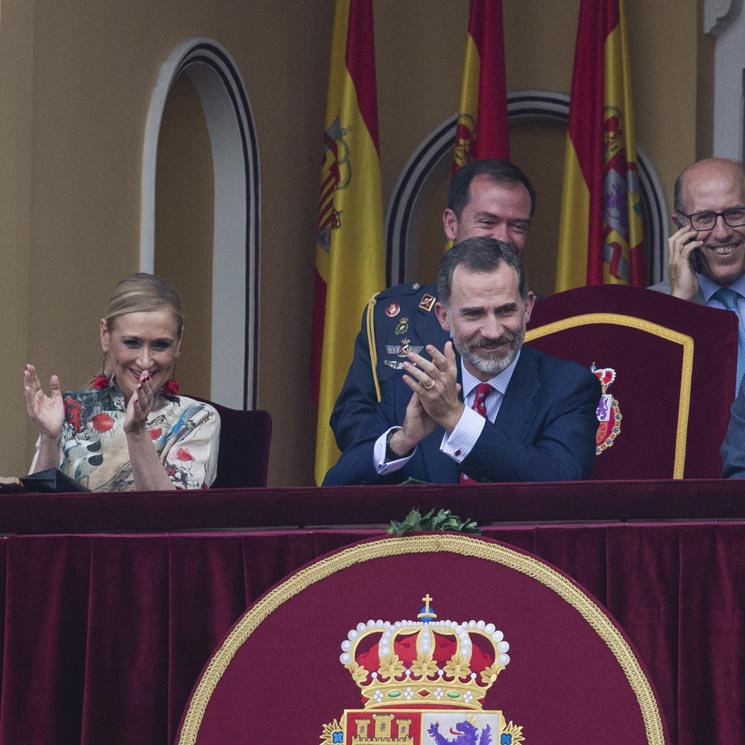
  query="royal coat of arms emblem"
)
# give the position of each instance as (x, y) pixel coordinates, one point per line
(423, 682)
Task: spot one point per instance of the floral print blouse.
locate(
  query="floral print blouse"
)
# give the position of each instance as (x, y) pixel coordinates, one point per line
(93, 446)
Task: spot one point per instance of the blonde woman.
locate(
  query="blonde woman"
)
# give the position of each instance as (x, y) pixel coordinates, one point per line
(131, 430)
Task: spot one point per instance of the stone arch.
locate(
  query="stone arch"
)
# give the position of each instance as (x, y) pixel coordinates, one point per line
(235, 260)
(520, 104)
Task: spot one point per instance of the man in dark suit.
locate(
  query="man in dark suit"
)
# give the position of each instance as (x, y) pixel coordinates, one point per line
(491, 198)
(485, 408)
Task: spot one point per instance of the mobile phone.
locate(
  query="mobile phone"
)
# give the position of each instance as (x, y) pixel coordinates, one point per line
(695, 259)
(695, 256)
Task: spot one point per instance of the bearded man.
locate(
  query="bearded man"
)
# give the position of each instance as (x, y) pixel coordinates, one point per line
(484, 408)
(488, 198)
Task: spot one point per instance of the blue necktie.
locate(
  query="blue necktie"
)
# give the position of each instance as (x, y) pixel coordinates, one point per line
(728, 298)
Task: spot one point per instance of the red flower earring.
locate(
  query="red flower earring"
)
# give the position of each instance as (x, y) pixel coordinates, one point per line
(172, 387)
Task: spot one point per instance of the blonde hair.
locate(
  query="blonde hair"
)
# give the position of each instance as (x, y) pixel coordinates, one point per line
(142, 293)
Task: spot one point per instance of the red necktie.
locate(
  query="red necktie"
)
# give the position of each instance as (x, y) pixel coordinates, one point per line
(479, 402)
(479, 405)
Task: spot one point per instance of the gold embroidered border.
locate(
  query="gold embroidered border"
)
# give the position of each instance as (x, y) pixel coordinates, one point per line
(449, 543)
(618, 319)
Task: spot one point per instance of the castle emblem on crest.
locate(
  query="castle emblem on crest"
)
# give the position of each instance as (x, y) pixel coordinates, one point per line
(608, 411)
(423, 682)
(336, 173)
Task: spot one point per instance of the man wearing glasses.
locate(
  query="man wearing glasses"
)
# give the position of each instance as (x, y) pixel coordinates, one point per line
(707, 265)
(706, 262)
(707, 252)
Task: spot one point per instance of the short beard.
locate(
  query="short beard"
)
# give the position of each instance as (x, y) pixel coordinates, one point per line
(493, 365)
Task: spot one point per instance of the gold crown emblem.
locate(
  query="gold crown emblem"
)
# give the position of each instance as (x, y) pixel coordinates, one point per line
(437, 663)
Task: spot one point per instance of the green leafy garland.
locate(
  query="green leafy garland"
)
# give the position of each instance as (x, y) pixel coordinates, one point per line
(443, 520)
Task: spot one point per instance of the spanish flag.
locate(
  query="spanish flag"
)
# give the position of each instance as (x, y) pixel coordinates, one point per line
(350, 255)
(600, 232)
(481, 130)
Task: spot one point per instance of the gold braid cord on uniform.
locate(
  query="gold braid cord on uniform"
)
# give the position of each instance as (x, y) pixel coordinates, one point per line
(370, 323)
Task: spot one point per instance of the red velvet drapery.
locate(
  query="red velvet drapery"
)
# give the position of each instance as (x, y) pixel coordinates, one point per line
(104, 634)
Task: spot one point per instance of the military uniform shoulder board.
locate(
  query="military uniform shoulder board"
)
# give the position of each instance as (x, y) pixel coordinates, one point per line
(397, 291)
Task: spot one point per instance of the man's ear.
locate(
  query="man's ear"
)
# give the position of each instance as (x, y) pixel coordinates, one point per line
(529, 303)
(449, 224)
(442, 316)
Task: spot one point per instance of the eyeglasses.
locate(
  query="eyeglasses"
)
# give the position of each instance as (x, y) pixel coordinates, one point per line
(734, 217)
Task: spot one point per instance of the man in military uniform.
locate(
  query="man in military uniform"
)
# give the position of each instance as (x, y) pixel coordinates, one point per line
(490, 198)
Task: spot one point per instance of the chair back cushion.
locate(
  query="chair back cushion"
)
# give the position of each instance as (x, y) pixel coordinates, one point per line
(669, 367)
(245, 440)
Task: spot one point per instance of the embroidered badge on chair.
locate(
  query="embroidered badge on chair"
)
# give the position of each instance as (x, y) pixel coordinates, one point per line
(608, 411)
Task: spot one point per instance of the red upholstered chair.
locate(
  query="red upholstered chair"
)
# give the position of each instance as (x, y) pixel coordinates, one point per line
(675, 365)
(245, 439)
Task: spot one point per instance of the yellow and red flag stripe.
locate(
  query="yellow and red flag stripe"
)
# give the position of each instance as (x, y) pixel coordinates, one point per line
(350, 255)
(600, 232)
(481, 130)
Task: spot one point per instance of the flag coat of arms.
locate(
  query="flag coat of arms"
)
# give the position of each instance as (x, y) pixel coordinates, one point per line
(600, 232)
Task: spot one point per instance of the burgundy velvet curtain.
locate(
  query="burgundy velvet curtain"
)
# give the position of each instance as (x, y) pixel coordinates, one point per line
(104, 635)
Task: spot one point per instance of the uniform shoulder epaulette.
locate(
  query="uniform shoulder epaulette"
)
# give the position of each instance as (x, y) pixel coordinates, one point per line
(410, 296)
(403, 290)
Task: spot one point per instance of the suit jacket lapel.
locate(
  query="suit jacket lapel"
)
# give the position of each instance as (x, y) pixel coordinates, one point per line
(516, 414)
(518, 408)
